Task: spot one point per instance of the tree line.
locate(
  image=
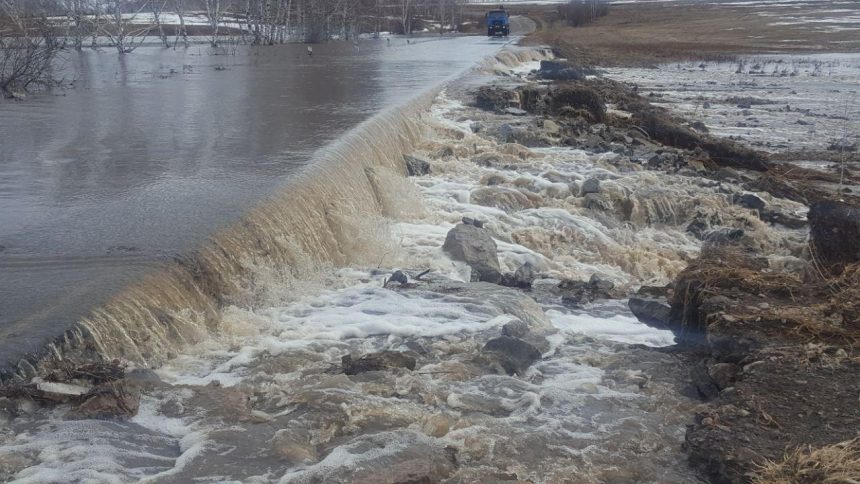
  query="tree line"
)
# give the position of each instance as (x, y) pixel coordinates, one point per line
(33, 32)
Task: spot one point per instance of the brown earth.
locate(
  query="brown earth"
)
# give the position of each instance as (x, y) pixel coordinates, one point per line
(774, 353)
(653, 32)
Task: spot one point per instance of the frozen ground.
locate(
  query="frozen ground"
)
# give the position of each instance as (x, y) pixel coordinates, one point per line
(775, 103)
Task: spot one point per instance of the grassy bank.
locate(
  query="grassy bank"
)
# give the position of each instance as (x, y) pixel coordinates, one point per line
(648, 33)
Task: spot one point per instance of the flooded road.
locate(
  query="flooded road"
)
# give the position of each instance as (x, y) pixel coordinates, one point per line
(152, 152)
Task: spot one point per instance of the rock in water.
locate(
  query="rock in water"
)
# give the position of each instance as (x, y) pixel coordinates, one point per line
(835, 232)
(399, 277)
(416, 166)
(525, 275)
(651, 312)
(515, 355)
(475, 247)
(383, 360)
(754, 202)
(592, 185)
(515, 329)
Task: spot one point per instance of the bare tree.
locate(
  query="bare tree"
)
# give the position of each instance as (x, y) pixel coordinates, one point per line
(120, 27)
(157, 8)
(214, 14)
(179, 7)
(27, 55)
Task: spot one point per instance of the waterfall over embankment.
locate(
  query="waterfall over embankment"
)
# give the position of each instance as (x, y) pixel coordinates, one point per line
(328, 215)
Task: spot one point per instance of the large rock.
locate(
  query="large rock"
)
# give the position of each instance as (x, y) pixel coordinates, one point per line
(416, 166)
(475, 247)
(652, 312)
(835, 233)
(522, 278)
(592, 185)
(514, 354)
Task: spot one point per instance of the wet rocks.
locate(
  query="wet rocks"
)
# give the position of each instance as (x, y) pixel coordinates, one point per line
(416, 166)
(294, 445)
(515, 329)
(475, 247)
(383, 360)
(513, 354)
(592, 185)
(577, 293)
(835, 234)
(109, 401)
(751, 201)
(399, 277)
(522, 278)
(653, 312)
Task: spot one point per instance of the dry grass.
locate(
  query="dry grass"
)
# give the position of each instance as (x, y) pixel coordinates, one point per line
(653, 32)
(836, 463)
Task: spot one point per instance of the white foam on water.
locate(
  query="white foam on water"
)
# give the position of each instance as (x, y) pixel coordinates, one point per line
(621, 328)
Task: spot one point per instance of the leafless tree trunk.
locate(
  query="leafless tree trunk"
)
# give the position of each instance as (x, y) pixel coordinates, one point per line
(214, 14)
(179, 6)
(157, 8)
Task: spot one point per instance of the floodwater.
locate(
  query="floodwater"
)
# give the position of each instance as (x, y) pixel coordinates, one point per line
(152, 152)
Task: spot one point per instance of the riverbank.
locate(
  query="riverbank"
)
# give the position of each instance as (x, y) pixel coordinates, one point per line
(777, 335)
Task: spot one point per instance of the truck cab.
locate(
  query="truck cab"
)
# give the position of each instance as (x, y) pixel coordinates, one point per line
(498, 23)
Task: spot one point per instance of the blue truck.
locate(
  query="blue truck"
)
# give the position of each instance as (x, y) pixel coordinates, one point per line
(498, 23)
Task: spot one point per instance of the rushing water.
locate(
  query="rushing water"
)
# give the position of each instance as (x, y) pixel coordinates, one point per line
(152, 152)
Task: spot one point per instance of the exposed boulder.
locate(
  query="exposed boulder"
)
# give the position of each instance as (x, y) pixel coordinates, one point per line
(522, 278)
(416, 166)
(514, 355)
(577, 293)
(835, 234)
(652, 312)
(383, 360)
(592, 185)
(399, 277)
(515, 329)
(751, 201)
(475, 247)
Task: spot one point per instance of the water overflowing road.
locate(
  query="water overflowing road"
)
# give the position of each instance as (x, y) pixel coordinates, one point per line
(152, 152)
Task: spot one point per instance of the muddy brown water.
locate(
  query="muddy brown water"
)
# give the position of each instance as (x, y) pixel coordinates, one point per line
(152, 152)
